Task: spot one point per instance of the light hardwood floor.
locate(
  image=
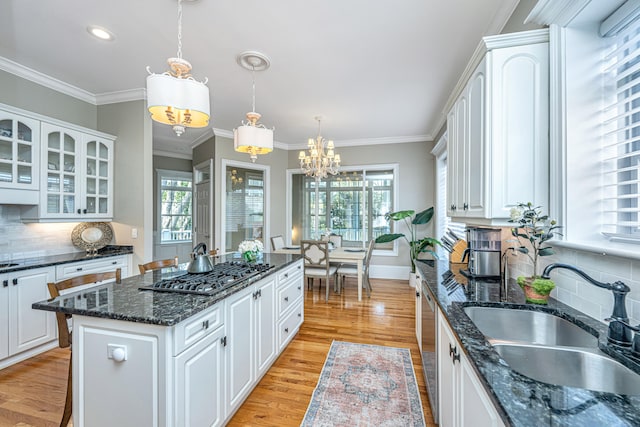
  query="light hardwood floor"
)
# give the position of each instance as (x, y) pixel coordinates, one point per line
(32, 392)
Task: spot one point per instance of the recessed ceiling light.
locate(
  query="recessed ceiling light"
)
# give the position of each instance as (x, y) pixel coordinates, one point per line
(101, 33)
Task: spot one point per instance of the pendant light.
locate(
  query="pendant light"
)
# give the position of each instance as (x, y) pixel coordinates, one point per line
(174, 97)
(253, 137)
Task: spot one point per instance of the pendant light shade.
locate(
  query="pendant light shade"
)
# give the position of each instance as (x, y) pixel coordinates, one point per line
(179, 102)
(253, 137)
(174, 97)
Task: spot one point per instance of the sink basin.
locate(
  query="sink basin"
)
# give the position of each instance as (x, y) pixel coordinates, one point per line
(584, 368)
(527, 326)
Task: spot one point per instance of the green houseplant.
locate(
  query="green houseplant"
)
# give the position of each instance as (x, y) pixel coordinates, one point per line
(416, 245)
(532, 232)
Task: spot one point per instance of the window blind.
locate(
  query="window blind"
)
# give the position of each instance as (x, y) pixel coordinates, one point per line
(621, 136)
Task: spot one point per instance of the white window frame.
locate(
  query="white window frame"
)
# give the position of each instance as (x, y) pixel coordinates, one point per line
(166, 173)
(222, 176)
(577, 96)
(367, 168)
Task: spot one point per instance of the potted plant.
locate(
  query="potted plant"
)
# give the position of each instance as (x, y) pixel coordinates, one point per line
(532, 232)
(416, 245)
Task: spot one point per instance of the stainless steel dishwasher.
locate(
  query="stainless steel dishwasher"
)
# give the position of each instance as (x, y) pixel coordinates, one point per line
(429, 355)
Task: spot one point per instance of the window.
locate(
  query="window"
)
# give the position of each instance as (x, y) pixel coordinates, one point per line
(621, 142)
(352, 204)
(176, 196)
(443, 222)
(244, 204)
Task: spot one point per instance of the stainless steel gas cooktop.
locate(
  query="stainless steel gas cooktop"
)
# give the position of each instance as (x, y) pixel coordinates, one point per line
(222, 276)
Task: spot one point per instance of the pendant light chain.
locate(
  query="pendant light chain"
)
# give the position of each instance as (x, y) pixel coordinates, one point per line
(180, 29)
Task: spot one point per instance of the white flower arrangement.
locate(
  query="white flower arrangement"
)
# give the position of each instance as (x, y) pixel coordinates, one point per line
(250, 246)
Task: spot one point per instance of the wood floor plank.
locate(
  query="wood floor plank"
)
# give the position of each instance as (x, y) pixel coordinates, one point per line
(32, 392)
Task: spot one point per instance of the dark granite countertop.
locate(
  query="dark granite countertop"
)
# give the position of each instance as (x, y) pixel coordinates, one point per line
(51, 260)
(125, 301)
(522, 401)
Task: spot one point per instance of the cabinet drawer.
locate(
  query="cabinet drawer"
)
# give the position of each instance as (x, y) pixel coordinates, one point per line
(290, 325)
(66, 271)
(194, 329)
(290, 274)
(289, 295)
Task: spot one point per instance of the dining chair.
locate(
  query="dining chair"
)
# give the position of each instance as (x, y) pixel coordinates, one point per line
(316, 263)
(155, 265)
(64, 331)
(349, 270)
(336, 239)
(277, 242)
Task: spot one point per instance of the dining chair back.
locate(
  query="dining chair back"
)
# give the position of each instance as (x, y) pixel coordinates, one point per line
(316, 262)
(352, 271)
(277, 242)
(155, 265)
(64, 332)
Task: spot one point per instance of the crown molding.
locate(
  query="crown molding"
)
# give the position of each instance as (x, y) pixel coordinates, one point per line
(47, 81)
(560, 12)
(173, 154)
(222, 132)
(121, 96)
(486, 45)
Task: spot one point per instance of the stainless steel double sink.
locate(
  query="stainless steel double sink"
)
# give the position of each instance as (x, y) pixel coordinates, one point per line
(552, 350)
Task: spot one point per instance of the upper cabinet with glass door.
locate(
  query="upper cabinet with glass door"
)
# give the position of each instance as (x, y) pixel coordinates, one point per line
(77, 181)
(19, 158)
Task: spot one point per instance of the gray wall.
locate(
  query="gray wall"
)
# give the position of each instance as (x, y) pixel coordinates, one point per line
(133, 201)
(277, 160)
(21, 93)
(516, 20)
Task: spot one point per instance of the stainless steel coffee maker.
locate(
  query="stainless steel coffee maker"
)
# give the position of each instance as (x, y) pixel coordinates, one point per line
(484, 251)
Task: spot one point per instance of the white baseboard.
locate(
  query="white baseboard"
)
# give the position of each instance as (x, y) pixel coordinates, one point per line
(389, 272)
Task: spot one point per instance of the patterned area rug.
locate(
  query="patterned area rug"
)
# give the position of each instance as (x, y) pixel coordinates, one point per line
(365, 385)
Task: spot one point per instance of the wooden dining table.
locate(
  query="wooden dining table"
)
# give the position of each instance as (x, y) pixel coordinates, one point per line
(347, 255)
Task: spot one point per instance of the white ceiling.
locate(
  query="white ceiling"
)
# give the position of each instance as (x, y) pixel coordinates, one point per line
(375, 69)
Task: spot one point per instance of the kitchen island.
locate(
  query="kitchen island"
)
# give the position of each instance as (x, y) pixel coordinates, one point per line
(517, 399)
(144, 357)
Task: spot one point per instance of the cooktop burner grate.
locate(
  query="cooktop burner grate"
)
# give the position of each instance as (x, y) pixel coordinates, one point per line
(222, 276)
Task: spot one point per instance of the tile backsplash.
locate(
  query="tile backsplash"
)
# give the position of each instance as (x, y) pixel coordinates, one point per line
(573, 290)
(20, 240)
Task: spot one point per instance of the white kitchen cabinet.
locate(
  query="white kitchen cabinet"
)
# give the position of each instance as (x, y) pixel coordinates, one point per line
(77, 178)
(462, 398)
(498, 123)
(251, 346)
(199, 382)
(24, 331)
(98, 265)
(240, 311)
(108, 391)
(290, 303)
(19, 158)
(265, 326)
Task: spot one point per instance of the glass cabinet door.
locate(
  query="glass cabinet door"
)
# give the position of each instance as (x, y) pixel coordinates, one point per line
(61, 153)
(19, 142)
(98, 181)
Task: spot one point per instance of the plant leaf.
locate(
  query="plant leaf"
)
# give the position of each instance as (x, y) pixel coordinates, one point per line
(395, 216)
(386, 238)
(545, 251)
(424, 216)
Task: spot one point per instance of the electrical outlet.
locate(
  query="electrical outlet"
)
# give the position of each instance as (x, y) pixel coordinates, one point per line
(134, 233)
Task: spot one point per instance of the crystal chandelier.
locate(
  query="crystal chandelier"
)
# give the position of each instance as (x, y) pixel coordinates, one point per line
(253, 137)
(174, 97)
(321, 159)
